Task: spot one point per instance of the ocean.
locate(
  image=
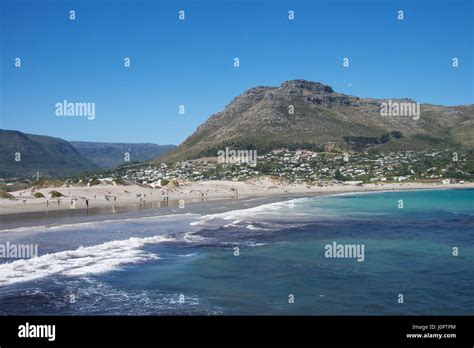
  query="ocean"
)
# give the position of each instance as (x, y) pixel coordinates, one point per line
(415, 256)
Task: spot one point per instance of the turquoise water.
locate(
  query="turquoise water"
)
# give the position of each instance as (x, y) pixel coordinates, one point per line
(188, 264)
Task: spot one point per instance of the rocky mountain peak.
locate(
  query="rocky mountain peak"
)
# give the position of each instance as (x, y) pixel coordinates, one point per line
(260, 118)
(306, 85)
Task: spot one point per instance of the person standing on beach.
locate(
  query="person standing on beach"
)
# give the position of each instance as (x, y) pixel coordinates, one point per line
(87, 203)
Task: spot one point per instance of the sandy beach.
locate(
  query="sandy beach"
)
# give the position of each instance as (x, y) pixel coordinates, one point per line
(122, 196)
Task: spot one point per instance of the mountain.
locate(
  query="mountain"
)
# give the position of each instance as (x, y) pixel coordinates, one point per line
(108, 155)
(260, 119)
(37, 153)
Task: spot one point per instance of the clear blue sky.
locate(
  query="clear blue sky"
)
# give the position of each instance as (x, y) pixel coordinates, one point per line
(191, 62)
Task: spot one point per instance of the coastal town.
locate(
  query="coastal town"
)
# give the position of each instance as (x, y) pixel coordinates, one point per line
(307, 166)
(287, 167)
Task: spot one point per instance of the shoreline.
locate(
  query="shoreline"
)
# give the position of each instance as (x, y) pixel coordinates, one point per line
(33, 212)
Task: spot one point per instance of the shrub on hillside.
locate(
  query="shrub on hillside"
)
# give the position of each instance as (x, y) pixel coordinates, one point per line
(6, 195)
(175, 183)
(55, 194)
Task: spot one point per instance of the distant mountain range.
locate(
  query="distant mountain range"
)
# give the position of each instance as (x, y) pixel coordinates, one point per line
(23, 155)
(26, 154)
(109, 155)
(305, 114)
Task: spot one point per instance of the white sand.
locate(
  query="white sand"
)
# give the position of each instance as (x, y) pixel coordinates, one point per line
(188, 191)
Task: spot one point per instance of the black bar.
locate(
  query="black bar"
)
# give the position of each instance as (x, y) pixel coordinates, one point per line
(225, 330)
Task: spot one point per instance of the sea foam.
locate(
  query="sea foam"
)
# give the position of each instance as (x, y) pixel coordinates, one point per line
(84, 260)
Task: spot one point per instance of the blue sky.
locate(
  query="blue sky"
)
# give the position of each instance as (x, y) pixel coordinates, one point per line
(191, 62)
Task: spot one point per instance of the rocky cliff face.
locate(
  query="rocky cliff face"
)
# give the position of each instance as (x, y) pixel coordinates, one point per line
(305, 114)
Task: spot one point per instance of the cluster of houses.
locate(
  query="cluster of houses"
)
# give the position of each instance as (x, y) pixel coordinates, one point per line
(305, 165)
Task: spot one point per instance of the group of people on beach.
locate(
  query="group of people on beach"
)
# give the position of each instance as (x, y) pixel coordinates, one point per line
(72, 204)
